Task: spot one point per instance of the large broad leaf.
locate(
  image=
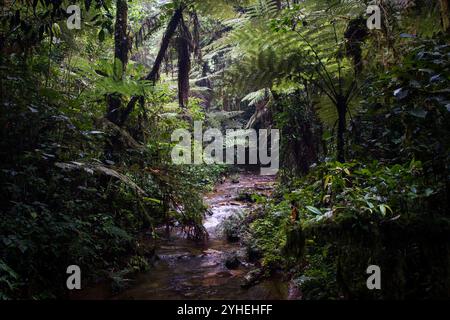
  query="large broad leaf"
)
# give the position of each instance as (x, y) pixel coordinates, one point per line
(117, 70)
(383, 208)
(401, 93)
(314, 210)
(101, 35)
(419, 113)
(6, 269)
(102, 170)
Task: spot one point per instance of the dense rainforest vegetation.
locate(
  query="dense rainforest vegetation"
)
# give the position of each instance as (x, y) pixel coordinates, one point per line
(87, 114)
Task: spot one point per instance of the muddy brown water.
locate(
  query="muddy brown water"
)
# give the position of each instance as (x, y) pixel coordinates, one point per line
(189, 270)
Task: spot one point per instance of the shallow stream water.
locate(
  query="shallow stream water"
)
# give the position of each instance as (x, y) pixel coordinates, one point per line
(189, 270)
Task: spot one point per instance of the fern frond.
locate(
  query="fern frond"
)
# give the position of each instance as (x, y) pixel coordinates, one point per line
(253, 98)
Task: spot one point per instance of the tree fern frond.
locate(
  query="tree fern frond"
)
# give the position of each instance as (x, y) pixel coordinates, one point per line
(262, 8)
(220, 9)
(148, 27)
(256, 97)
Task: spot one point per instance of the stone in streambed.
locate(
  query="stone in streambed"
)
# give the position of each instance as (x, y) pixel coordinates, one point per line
(232, 262)
(252, 278)
(235, 180)
(294, 291)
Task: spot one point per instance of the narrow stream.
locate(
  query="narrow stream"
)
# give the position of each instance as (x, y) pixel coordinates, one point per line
(188, 270)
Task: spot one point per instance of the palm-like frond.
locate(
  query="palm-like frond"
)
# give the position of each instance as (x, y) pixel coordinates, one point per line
(148, 27)
(256, 97)
(220, 9)
(309, 47)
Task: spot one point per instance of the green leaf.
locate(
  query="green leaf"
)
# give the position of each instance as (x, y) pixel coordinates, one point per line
(101, 35)
(428, 192)
(146, 199)
(383, 208)
(56, 30)
(314, 210)
(50, 93)
(328, 179)
(370, 204)
(401, 93)
(419, 113)
(8, 270)
(118, 69)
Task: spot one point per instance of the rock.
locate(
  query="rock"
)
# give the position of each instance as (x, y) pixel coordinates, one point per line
(189, 294)
(245, 196)
(218, 274)
(211, 252)
(232, 262)
(209, 264)
(263, 187)
(252, 278)
(294, 291)
(253, 254)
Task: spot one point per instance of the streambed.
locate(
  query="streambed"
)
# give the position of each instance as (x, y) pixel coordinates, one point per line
(189, 270)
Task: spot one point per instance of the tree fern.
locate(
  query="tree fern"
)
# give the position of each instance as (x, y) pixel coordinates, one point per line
(306, 44)
(256, 97)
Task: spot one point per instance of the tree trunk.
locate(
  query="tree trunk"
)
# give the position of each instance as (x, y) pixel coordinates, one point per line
(121, 39)
(206, 82)
(121, 50)
(445, 15)
(278, 2)
(154, 73)
(170, 31)
(184, 64)
(342, 126)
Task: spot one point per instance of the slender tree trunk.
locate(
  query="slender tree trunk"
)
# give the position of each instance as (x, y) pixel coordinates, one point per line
(121, 50)
(184, 64)
(121, 39)
(445, 15)
(278, 2)
(154, 73)
(206, 83)
(342, 126)
(170, 31)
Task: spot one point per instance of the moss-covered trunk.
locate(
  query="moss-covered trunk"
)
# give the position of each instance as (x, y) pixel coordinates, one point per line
(121, 50)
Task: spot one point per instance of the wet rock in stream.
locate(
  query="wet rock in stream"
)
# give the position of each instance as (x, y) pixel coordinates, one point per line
(232, 262)
(251, 278)
(294, 291)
